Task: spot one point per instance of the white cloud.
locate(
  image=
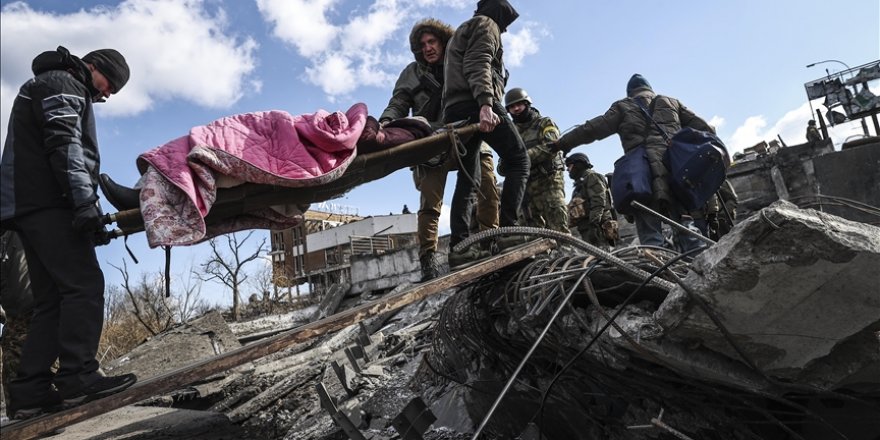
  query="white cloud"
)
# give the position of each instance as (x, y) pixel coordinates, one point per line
(520, 44)
(443, 225)
(176, 49)
(791, 127)
(717, 122)
(301, 23)
(369, 46)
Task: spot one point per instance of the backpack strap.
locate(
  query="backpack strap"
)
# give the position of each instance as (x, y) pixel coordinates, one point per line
(649, 115)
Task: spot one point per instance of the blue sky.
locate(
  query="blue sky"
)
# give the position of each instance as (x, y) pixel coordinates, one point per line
(740, 65)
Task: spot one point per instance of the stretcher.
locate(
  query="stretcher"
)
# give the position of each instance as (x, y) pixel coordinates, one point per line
(364, 168)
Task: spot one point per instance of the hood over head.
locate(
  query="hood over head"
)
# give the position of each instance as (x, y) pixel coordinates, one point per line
(500, 11)
(441, 30)
(62, 59)
(637, 83)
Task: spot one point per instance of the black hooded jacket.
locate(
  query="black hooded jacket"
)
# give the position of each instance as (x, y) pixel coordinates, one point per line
(50, 156)
(500, 11)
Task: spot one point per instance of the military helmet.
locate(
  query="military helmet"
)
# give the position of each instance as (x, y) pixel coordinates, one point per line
(515, 95)
(578, 157)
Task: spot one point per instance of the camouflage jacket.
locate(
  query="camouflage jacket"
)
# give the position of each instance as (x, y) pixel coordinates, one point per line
(593, 190)
(535, 133)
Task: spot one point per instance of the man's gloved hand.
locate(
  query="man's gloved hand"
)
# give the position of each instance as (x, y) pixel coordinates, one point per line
(102, 237)
(87, 218)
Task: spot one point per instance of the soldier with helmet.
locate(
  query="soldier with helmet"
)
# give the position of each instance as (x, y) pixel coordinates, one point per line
(544, 201)
(590, 207)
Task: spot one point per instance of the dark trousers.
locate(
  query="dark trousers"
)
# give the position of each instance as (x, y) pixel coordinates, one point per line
(68, 288)
(505, 140)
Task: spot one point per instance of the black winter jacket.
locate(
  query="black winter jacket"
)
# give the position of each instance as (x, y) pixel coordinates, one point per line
(50, 158)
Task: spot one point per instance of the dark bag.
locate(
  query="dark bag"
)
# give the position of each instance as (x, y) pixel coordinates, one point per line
(697, 163)
(632, 180)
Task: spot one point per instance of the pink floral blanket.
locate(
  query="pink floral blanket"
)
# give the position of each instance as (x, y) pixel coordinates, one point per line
(180, 179)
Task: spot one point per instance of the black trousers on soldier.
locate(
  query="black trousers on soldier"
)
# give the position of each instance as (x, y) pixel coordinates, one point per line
(68, 288)
(505, 140)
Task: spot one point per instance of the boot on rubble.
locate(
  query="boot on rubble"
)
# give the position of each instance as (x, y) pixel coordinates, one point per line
(430, 266)
(121, 197)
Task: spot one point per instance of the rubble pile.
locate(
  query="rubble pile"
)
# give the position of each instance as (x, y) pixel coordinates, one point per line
(774, 332)
(792, 348)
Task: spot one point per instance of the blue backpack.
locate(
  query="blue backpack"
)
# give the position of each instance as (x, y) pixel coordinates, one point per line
(697, 162)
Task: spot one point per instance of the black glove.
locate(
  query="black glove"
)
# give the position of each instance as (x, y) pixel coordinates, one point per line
(102, 237)
(87, 218)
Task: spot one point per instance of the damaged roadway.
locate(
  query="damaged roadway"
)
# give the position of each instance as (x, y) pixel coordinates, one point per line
(774, 332)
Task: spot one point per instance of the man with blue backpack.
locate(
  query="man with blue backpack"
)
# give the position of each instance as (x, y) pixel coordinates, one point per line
(644, 120)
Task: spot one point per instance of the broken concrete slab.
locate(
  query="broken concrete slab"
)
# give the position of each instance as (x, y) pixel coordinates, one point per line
(379, 272)
(142, 423)
(788, 284)
(201, 338)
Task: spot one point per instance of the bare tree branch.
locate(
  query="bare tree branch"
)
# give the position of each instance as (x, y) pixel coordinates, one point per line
(229, 269)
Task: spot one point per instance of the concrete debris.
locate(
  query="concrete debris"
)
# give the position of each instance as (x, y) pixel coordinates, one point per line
(787, 346)
(185, 344)
(789, 285)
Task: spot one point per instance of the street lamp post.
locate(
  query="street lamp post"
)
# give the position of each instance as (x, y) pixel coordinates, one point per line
(829, 61)
(828, 74)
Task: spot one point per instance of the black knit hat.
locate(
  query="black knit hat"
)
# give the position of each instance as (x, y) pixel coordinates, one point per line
(111, 64)
(637, 82)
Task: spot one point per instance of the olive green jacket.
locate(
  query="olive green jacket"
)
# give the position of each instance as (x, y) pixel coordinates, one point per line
(420, 85)
(474, 69)
(627, 120)
(417, 89)
(592, 188)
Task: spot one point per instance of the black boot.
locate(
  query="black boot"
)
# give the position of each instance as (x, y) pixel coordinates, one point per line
(121, 197)
(430, 267)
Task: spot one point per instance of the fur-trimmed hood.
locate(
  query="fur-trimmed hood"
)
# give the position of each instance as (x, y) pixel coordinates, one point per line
(440, 29)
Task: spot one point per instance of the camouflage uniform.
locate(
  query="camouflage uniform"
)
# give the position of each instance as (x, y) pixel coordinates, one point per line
(592, 188)
(545, 190)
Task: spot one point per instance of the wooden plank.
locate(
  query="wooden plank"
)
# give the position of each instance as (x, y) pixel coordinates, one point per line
(200, 370)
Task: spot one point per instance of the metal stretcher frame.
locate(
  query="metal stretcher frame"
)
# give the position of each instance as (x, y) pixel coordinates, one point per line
(364, 168)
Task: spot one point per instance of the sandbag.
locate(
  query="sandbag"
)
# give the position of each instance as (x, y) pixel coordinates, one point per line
(632, 180)
(697, 162)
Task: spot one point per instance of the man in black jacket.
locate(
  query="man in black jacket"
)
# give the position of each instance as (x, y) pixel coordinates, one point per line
(48, 183)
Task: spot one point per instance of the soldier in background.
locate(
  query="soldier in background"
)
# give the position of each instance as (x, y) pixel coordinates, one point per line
(544, 201)
(590, 207)
(813, 134)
